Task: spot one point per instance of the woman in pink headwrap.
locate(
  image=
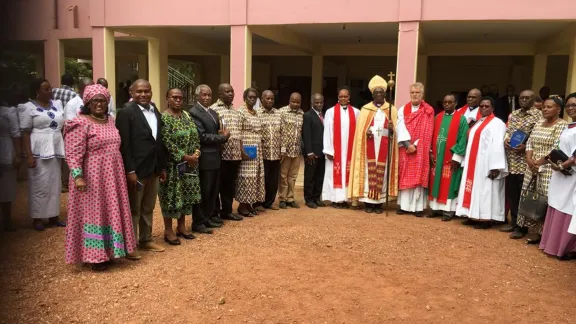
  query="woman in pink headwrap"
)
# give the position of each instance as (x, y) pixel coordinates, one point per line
(99, 221)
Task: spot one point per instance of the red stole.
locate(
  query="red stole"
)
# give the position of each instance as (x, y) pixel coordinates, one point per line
(463, 110)
(414, 169)
(472, 162)
(337, 169)
(376, 169)
(450, 142)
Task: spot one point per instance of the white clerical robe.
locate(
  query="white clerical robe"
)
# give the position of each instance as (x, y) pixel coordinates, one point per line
(561, 188)
(330, 193)
(471, 114)
(378, 132)
(413, 199)
(487, 197)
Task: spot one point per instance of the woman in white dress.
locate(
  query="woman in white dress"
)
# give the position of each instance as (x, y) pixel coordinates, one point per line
(9, 160)
(41, 121)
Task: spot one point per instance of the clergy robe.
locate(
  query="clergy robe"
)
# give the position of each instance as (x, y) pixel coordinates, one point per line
(358, 166)
(470, 114)
(415, 124)
(330, 193)
(486, 196)
(562, 188)
(449, 143)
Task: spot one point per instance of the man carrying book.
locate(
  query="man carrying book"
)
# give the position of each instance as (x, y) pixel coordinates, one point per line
(520, 125)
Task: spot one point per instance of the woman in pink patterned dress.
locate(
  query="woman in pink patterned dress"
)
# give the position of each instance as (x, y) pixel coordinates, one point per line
(99, 220)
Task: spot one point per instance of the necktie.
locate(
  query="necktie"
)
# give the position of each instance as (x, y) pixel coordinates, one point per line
(321, 118)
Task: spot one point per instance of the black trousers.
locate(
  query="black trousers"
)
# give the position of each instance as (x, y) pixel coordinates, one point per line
(209, 185)
(271, 176)
(228, 175)
(313, 179)
(513, 192)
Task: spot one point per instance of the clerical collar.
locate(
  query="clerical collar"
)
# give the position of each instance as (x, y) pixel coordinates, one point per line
(344, 106)
(472, 108)
(378, 104)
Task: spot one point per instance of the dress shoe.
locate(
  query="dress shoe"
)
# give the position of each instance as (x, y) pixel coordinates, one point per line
(282, 205)
(311, 205)
(418, 214)
(468, 222)
(202, 229)
(518, 233)
(533, 240)
(216, 219)
(319, 203)
(446, 218)
(508, 229)
(401, 212)
(336, 205)
(54, 221)
(482, 225)
(378, 210)
(134, 256)
(151, 247)
(211, 224)
(344, 205)
(175, 241)
(233, 217)
(369, 210)
(188, 236)
(292, 204)
(260, 209)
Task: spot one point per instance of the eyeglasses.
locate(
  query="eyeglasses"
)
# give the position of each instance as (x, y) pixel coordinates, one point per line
(572, 105)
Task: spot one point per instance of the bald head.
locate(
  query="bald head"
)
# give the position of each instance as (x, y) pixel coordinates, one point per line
(226, 93)
(526, 99)
(295, 101)
(267, 99)
(317, 102)
(473, 98)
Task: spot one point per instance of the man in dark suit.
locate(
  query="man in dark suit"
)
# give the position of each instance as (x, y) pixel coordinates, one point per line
(143, 152)
(312, 136)
(211, 138)
(507, 104)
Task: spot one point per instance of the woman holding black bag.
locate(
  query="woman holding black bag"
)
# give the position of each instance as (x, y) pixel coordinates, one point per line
(556, 240)
(543, 139)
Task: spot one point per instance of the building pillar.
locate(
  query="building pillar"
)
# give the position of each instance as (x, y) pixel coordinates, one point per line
(158, 70)
(407, 60)
(539, 72)
(143, 67)
(54, 65)
(571, 79)
(225, 69)
(317, 73)
(240, 60)
(104, 57)
(422, 69)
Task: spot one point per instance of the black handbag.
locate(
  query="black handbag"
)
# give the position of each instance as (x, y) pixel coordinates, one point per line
(533, 205)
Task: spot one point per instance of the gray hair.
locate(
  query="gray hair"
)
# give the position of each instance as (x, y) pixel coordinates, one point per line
(418, 85)
(199, 89)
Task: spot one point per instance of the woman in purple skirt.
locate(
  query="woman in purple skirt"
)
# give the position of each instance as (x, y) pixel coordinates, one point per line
(556, 240)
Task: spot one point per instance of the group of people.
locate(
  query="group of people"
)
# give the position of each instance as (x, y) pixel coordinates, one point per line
(460, 162)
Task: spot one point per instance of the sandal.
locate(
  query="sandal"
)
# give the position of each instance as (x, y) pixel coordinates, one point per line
(245, 214)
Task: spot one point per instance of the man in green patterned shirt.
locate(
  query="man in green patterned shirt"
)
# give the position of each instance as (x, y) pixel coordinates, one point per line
(522, 119)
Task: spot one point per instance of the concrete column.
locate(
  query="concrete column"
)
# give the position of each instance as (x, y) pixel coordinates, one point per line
(571, 79)
(53, 60)
(317, 73)
(407, 60)
(539, 71)
(422, 69)
(158, 70)
(240, 60)
(143, 66)
(224, 68)
(104, 57)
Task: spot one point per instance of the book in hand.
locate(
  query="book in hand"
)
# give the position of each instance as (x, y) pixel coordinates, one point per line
(251, 151)
(518, 138)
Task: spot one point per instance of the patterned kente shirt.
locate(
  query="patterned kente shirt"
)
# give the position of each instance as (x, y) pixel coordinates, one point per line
(524, 121)
(230, 119)
(64, 94)
(291, 139)
(271, 133)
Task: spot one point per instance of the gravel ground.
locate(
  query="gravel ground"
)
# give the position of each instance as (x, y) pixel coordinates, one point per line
(293, 266)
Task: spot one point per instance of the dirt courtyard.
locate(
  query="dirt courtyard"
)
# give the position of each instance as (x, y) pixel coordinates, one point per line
(293, 266)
